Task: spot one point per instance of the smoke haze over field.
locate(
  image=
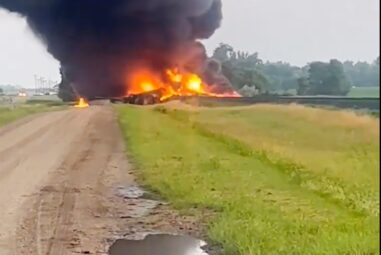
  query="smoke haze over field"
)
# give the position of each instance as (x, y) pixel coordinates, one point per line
(99, 42)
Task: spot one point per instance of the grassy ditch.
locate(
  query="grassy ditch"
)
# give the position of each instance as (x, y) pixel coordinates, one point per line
(12, 113)
(279, 179)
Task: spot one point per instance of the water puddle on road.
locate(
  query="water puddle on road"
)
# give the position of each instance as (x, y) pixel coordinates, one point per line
(160, 244)
(136, 205)
(132, 191)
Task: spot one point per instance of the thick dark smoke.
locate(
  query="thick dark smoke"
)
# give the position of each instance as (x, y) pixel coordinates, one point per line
(99, 42)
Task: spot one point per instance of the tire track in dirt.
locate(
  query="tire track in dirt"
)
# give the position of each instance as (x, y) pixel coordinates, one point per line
(29, 151)
(62, 194)
(10, 149)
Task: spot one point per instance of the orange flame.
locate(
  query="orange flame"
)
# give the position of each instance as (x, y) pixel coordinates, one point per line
(174, 75)
(82, 103)
(174, 83)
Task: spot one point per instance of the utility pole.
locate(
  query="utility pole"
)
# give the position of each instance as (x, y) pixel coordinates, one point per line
(43, 85)
(35, 84)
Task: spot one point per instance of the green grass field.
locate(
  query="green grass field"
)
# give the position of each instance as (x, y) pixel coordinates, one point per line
(277, 179)
(10, 113)
(365, 92)
(355, 92)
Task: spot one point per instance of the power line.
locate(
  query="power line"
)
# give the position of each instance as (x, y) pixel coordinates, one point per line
(43, 85)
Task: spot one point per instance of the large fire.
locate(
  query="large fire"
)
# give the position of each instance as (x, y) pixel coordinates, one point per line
(171, 83)
(82, 103)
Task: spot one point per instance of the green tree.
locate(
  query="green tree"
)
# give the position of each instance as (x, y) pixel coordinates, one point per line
(339, 82)
(303, 86)
(327, 79)
(376, 72)
(223, 52)
(241, 68)
(363, 74)
(247, 70)
(252, 78)
(281, 75)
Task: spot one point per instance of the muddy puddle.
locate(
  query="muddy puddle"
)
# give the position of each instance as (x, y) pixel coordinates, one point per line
(159, 244)
(136, 205)
(142, 242)
(131, 191)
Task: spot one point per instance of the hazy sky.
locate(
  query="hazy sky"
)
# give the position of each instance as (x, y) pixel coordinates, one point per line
(296, 31)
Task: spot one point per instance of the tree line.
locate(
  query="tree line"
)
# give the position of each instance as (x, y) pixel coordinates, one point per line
(250, 75)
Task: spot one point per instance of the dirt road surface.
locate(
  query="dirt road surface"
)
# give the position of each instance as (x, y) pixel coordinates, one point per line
(59, 178)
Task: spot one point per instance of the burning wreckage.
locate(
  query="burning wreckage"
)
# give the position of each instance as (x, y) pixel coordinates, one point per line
(130, 50)
(146, 88)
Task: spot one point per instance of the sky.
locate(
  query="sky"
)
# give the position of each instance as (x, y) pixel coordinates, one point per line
(295, 31)
(22, 55)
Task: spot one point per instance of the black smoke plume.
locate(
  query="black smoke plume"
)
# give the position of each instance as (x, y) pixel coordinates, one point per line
(99, 42)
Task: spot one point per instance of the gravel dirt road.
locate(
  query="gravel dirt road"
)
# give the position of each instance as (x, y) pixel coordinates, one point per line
(61, 177)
